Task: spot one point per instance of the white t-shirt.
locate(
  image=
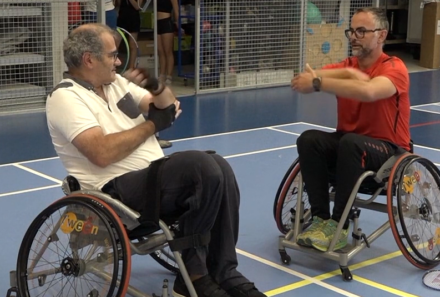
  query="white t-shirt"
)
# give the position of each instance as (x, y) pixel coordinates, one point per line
(91, 5)
(73, 107)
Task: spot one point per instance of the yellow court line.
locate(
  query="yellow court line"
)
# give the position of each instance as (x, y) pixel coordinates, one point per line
(317, 279)
(383, 287)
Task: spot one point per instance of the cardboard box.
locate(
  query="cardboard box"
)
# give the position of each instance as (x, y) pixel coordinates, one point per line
(147, 19)
(146, 47)
(430, 44)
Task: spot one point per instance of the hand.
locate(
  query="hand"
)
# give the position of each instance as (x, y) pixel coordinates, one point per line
(162, 118)
(358, 75)
(137, 76)
(303, 82)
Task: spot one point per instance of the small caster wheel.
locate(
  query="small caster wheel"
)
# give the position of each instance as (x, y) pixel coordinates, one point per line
(346, 274)
(285, 258)
(185, 82)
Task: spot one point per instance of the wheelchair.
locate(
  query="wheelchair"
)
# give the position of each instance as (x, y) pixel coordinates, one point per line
(81, 245)
(411, 186)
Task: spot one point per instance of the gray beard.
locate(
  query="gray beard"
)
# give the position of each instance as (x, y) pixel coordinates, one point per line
(361, 53)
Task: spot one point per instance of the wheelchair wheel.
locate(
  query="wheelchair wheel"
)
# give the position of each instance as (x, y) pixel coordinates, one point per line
(77, 246)
(166, 259)
(286, 200)
(414, 210)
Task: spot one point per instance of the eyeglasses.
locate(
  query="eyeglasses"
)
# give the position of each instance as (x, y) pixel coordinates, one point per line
(114, 55)
(359, 32)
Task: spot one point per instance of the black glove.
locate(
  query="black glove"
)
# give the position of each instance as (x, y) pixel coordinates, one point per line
(154, 86)
(161, 118)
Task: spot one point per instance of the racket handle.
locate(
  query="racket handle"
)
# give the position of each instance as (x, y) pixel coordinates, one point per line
(154, 86)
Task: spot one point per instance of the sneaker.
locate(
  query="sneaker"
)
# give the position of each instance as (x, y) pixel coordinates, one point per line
(169, 80)
(245, 290)
(321, 239)
(164, 143)
(204, 287)
(303, 238)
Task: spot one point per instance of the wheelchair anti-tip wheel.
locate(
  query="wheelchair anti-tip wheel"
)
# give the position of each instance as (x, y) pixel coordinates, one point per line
(77, 246)
(414, 210)
(286, 200)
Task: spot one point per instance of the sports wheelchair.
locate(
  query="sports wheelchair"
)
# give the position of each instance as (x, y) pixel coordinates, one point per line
(81, 245)
(411, 185)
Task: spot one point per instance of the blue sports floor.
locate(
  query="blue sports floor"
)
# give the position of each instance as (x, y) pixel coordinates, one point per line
(256, 132)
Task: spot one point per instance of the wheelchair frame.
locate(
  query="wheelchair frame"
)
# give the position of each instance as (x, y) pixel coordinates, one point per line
(127, 218)
(387, 177)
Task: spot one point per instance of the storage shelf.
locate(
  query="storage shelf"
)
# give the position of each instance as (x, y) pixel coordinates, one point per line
(20, 90)
(21, 59)
(16, 11)
(395, 41)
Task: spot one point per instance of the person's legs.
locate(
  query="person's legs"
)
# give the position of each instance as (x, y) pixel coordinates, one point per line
(168, 44)
(162, 58)
(317, 157)
(191, 185)
(356, 154)
(360, 153)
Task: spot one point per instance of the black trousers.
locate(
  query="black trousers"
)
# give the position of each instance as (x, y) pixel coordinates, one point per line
(340, 158)
(200, 190)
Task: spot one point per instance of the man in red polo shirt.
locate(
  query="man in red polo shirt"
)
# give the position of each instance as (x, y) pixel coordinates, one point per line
(372, 91)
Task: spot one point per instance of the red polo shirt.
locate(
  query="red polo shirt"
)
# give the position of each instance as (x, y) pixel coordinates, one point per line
(385, 119)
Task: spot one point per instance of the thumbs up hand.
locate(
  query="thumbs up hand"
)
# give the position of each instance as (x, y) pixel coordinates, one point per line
(302, 82)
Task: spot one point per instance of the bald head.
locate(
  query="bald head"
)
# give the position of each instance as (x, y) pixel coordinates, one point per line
(85, 38)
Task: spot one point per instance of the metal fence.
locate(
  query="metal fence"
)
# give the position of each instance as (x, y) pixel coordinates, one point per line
(31, 59)
(239, 44)
(260, 43)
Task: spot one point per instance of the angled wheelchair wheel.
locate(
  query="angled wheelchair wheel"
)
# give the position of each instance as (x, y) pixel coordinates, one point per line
(77, 246)
(166, 259)
(414, 210)
(286, 200)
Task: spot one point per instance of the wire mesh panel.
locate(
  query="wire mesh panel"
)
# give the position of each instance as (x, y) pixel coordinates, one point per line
(31, 40)
(255, 43)
(248, 43)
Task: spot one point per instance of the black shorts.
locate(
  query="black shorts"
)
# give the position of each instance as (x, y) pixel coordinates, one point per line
(129, 19)
(165, 26)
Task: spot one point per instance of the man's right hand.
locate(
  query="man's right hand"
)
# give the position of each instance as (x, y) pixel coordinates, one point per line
(161, 118)
(138, 76)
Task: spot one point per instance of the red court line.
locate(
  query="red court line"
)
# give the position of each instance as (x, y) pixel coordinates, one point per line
(425, 124)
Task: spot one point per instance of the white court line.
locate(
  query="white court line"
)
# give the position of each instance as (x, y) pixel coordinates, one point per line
(59, 182)
(283, 131)
(261, 151)
(426, 104)
(38, 173)
(415, 145)
(29, 161)
(428, 111)
(29, 190)
(296, 273)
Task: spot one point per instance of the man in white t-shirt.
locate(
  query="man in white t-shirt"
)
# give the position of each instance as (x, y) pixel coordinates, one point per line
(103, 125)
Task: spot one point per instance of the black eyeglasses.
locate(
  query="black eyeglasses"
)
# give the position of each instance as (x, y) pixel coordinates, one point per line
(359, 32)
(114, 54)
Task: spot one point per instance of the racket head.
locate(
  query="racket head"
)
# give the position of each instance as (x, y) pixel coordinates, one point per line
(431, 279)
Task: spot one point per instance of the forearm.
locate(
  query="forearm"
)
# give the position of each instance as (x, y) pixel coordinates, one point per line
(175, 10)
(347, 88)
(117, 146)
(341, 73)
